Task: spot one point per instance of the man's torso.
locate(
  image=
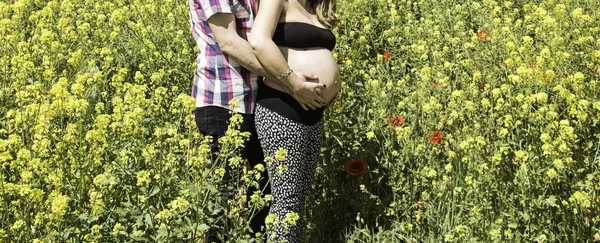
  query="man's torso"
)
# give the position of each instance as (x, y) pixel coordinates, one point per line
(218, 78)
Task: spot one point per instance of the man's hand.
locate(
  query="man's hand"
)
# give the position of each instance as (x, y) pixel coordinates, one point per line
(308, 93)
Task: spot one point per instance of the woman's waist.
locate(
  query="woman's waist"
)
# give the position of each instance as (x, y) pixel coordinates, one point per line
(328, 93)
(270, 94)
(305, 49)
(286, 106)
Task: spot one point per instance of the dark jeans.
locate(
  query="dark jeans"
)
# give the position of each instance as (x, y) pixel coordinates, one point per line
(213, 121)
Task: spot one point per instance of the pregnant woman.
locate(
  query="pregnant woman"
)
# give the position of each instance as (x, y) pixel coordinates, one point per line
(292, 38)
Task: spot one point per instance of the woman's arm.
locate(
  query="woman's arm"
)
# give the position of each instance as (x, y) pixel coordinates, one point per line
(271, 58)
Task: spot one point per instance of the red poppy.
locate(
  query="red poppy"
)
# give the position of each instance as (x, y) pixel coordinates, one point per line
(435, 138)
(594, 71)
(396, 121)
(484, 34)
(435, 84)
(356, 167)
(482, 86)
(533, 65)
(546, 78)
(387, 55)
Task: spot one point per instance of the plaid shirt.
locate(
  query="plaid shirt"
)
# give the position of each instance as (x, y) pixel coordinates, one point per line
(218, 78)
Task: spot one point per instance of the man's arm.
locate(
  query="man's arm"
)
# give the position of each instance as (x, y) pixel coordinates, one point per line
(223, 28)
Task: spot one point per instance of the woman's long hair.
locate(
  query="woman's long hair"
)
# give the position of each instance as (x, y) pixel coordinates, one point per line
(325, 10)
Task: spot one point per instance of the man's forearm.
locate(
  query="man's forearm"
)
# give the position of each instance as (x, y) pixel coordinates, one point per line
(243, 54)
(241, 51)
(235, 47)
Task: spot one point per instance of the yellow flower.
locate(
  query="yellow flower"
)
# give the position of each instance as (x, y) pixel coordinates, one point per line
(234, 103)
(97, 204)
(577, 13)
(235, 161)
(560, 9)
(371, 135)
(281, 169)
(281, 154)
(541, 97)
(528, 41)
(451, 154)
(457, 190)
(268, 198)
(17, 225)
(558, 164)
(503, 132)
(580, 198)
(548, 149)
(374, 83)
(58, 205)
(96, 229)
(545, 137)
(431, 173)
(143, 178)
(291, 218)
(220, 172)
(521, 155)
(137, 233)
(179, 205)
(449, 238)
(551, 173)
(476, 77)
(362, 39)
(494, 233)
(162, 216)
(259, 167)
(271, 220)
(469, 180)
(118, 227)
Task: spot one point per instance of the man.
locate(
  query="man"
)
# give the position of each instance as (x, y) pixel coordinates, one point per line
(227, 69)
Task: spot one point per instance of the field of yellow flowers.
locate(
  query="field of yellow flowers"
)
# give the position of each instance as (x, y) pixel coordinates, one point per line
(474, 121)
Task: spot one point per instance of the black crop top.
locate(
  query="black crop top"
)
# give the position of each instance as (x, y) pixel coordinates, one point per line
(303, 35)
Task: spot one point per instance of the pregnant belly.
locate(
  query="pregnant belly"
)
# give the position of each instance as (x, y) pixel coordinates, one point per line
(318, 61)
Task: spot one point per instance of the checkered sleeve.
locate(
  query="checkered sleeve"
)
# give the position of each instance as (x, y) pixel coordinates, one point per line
(211, 7)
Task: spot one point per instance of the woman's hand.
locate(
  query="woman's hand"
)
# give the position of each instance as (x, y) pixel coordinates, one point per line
(308, 93)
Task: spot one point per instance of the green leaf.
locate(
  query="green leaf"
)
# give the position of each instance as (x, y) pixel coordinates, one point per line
(148, 219)
(551, 201)
(154, 191)
(93, 219)
(121, 212)
(525, 216)
(203, 227)
(83, 216)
